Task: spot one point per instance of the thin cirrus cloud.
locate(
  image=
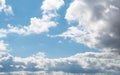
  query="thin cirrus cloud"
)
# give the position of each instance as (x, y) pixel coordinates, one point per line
(98, 24)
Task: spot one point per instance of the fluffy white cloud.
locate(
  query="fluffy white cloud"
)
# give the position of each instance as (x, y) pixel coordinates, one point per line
(51, 5)
(88, 62)
(3, 46)
(39, 25)
(98, 27)
(98, 23)
(6, 8)
(36, 26)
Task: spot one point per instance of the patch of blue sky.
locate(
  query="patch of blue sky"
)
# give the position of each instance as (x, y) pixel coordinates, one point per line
(24, 10)
(62, 22)
(25, 46)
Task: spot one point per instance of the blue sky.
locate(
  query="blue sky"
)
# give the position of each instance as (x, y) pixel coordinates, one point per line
(24, 46)
(40, 35)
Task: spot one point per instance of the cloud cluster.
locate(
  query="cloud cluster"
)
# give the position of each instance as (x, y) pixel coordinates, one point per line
(38, 25)
(98, 27)
(98, 24)
(6, 8)
(88, 62)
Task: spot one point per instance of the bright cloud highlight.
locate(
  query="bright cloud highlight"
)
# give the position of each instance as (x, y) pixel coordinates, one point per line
(88, 62)
(98, 24)
(6, 8)
(38, 25)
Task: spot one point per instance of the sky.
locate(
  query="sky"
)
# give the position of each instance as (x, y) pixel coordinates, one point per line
(74, 36)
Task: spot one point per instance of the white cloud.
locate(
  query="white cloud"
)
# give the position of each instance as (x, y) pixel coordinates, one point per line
(3, 33)
(88, 62)
(98, 23)
(95, 29)
(2, 5)
(3, 46)
(6, 8)
(51, 5)
(39, 25)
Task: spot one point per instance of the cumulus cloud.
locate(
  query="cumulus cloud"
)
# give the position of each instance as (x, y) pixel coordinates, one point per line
(51, 5)
(98, 27)
(6, 8)
(39, 25)
(98, 24)
(88, 62)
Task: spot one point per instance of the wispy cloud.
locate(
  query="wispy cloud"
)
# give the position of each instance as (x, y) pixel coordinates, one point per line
(6, 8)
(3, 33)
(3, 46)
